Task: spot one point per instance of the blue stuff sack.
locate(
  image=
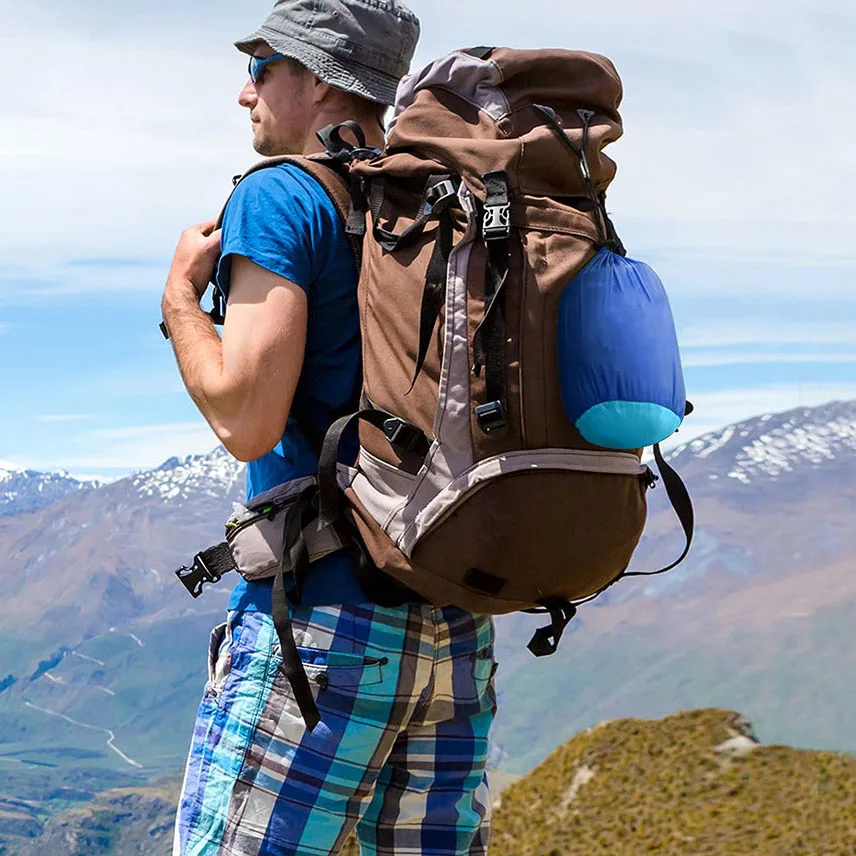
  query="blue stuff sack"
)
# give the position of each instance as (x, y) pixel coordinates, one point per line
(619, 364)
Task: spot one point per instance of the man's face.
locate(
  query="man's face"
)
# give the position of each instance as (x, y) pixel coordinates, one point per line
(280, 105)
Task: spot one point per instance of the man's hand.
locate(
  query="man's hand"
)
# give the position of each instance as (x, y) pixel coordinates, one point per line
(194, 259)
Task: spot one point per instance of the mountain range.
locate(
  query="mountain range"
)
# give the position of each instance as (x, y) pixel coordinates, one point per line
(102, 652)
(26, 490)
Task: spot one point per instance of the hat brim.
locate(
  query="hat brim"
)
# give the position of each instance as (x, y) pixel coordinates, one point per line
(353, 77)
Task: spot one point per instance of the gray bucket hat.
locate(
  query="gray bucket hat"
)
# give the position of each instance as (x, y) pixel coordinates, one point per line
(361, 46)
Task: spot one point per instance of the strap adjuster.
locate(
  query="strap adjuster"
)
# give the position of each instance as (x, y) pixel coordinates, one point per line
(497, 222)
(442, 191)
(404, 436)
(491, 417)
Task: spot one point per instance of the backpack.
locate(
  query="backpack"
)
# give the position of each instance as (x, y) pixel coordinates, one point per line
(515, 361)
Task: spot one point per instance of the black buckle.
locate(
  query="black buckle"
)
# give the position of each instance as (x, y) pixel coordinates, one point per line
(404, 436)
(497, 222)
(492, 417)
(196, 576)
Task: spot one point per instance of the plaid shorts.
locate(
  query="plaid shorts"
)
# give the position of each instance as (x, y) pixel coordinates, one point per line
(406, 701)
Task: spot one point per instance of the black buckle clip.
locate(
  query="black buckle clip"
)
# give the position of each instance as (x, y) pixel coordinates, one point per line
(497, 222)
(492, 417)
(404, 436)
(196, 576)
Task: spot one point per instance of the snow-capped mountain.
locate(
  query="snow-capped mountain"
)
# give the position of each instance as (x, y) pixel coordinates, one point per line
(24, 490)
(214, 475)
(775, 446)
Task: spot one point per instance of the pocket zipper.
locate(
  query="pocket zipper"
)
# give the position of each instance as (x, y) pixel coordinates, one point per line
(235, 525)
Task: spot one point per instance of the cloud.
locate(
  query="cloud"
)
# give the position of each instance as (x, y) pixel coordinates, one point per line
(720, 101)
(724, 333)
(132, 448)
(52, 277)
(732, 357)
(63, 417)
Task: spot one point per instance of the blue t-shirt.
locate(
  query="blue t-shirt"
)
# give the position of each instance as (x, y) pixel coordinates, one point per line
(284, 221)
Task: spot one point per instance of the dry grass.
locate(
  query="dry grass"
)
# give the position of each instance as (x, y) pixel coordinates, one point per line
(635, 787)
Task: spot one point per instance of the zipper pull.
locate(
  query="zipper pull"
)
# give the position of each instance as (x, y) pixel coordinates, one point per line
(586, 116)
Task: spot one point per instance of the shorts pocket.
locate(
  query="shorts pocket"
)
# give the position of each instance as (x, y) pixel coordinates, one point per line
(219, 659)
(484, 668)
(340, 669)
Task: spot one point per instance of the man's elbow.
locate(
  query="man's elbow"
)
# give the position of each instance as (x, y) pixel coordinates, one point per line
(249, 443)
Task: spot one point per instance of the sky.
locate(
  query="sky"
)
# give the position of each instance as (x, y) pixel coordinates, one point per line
(119, 126)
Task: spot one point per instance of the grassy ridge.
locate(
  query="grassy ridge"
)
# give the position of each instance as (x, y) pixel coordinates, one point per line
(679, 786)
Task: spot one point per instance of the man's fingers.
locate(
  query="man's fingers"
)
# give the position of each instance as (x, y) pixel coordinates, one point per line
(207, 227)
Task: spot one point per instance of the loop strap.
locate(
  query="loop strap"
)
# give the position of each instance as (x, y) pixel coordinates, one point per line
(440, 192)
(546, 640)
(679, 497)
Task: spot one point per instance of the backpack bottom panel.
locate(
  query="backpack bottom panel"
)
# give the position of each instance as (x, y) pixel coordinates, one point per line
(531, 536)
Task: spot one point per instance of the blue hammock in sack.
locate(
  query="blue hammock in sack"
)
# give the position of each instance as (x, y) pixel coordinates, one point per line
(620, 367)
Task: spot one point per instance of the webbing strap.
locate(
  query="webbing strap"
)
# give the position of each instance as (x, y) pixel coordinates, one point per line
(208, 567)
(400, 433)
(679, 497)
(489, 338)
(330, 137)
(434, 293)
(294, 543)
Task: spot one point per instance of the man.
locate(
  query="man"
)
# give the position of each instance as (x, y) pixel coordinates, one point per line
(402, 691)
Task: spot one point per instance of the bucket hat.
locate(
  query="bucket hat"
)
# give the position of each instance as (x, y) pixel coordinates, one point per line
(360, 46)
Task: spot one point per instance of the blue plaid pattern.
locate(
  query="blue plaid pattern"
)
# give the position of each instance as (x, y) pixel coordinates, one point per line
(406, 700)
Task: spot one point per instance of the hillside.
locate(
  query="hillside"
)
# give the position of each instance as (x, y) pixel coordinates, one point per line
(100, 690)
(695, 783)
(691, 784)
(126, 822)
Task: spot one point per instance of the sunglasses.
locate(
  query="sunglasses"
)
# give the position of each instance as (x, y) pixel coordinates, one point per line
(257, 65)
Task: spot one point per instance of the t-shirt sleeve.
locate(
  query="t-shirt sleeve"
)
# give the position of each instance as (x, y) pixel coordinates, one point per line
(273, 221)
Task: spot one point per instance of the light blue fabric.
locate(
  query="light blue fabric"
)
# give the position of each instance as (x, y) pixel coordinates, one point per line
(619, 363)
(283, 220)
(627, 424)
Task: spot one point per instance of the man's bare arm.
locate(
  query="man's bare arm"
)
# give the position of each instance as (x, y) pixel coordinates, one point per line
(243, 384)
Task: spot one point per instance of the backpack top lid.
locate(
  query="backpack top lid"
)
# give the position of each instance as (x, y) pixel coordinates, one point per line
(475, 115)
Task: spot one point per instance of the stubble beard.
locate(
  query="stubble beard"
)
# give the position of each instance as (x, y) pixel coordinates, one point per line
(269, 145)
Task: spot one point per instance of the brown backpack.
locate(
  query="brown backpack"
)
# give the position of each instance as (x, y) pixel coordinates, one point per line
(473, 488)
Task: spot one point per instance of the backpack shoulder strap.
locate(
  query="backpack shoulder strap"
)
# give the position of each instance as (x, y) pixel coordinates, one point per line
(328, 172)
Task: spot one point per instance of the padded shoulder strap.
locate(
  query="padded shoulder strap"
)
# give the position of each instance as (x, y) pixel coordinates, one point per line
(327, 172)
